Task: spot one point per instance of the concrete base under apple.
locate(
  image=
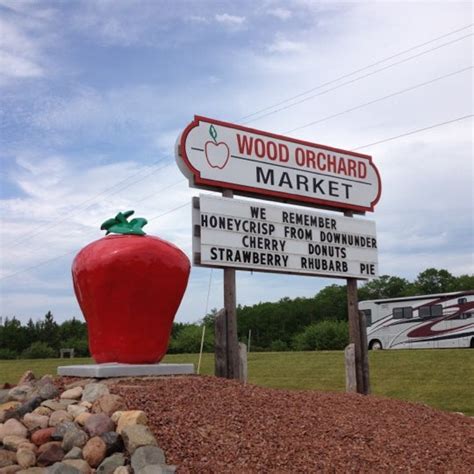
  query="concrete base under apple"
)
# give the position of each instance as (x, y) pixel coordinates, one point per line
(125, 370)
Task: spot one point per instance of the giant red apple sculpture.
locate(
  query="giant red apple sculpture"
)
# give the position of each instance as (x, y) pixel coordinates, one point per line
(129, 287)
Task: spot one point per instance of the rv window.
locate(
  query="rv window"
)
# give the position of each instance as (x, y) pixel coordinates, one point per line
(368, 317)
(403, 313)
(431, 311)
(462, 300)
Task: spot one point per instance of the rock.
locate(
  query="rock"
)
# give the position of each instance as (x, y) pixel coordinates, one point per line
(43, 411)
(4, 395)
(34, 470)
(21, 393)
(27, 445)
(74, 438)
(13, 442)
(74, 453)
(110, 464)
(62, 468)
(73, 393)
(108, 404)
(116, 415)
(58, 417)
(80, 383)
(93, 391)
(99, 424)
(11, 469)
(122, 470)
(135, 436)
(11, 405)
(113, 441)
(76, 410)
(25, 408)
(27, 378)
(79, 464)
(42, 436)
(44, 447)
(94, 451)
(131, 417)
(85, 404)
(7, 458)
(82, 418)
(33, 421)
(55, 405)
(61, 429)
(146, 455)
(47, 391)
(25, 457)
(12, 427)
(51, 455)
(156, 469)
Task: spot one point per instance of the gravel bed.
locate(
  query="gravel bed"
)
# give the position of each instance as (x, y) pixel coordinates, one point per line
(207, 424)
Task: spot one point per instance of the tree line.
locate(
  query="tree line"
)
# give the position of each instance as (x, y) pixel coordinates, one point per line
(318, 322)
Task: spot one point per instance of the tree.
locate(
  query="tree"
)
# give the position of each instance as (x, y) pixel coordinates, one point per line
(385, 286)
(463, 283)
(434, 281)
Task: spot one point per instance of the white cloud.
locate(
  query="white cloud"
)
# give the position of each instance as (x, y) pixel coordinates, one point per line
(286, 46)
(281, 13)
(232, 21)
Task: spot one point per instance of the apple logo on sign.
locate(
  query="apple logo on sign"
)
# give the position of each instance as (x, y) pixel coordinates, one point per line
(217, 153)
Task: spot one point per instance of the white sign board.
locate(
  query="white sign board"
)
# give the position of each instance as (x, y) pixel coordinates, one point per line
(219, 155)
(252, 235)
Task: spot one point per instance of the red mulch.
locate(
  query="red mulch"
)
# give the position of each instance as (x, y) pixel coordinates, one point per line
(207, 424)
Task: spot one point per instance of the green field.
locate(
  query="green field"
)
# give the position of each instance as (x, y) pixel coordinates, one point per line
(440, 378)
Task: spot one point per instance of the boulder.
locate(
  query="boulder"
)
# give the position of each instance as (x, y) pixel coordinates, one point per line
(25, 458)
(7, 458)
(22, 393)
(51, 455)
(108, 404)
(74, 438)
(63, 468)
(74, 453)
(13, 442)
(79, 464)
(110, 464)
(82, 418)
(27, 378)
(99, 424)
(34, 421)
(135, 436)
(131, 417)
(12, 427)
(94, 391)
(73, 393)
(146, 455)
(58, 417)
(113, 442)
(42, 436)
(76, 410)
(94, 451)
(61, 429)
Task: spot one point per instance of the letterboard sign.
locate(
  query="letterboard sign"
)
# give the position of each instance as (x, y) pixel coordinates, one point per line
(218, 155)
(256, 236)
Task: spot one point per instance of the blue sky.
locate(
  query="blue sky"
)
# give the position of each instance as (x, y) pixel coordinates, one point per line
(93, 95)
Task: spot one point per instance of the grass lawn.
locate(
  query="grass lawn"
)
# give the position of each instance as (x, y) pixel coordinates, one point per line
(440, 378)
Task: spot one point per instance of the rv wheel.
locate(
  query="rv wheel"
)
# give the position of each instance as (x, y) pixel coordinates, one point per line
(375, 345)
(472, 344)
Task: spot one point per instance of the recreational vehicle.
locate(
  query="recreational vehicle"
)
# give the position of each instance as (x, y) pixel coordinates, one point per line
(444, 320)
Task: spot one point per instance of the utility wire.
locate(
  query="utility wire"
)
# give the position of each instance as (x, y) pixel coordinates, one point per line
(413, 132)
(356, 79)
(356, 71)
(365, 104)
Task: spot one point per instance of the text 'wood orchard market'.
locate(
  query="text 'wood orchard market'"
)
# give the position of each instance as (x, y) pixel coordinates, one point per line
(219, 155)
(249, 235)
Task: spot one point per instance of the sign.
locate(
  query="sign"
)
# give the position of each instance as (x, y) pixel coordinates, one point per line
(252, 235)
(218, 155)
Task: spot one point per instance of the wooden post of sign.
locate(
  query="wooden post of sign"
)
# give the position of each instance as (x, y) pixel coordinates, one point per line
(364, 353)
(355, 326)
(232, 343)
(220, 344)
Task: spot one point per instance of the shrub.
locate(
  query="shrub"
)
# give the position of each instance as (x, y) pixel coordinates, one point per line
(278, 346)
(39, 350)
(323, 336)
(7, 354)
(80, 346)
(188, 340)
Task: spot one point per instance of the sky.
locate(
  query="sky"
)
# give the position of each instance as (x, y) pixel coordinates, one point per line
(93, 95)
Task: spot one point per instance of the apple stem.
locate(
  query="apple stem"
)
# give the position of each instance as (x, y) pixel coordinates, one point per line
(120, 225)
(213, 133)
